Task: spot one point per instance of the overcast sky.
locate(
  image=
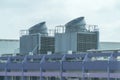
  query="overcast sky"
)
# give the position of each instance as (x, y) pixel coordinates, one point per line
(16, 15)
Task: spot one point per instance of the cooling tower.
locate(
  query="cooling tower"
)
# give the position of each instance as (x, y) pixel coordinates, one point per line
(76, 25)
(38, 28)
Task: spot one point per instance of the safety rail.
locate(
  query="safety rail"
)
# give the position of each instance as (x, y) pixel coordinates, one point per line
(67, 65)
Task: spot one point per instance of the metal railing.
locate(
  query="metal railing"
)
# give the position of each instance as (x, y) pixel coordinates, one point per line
(62, 65)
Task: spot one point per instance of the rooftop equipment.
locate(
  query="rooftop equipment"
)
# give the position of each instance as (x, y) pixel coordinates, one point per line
(39, 28)
(74, 37)
(76, 25)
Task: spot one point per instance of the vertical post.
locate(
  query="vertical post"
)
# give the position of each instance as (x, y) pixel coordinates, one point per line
(61, 68)
(83, 76)
(22, 71)
(83, 67)
(24, 61)
(6, 70)
(108, 71)
(108, 67)
(42, 60)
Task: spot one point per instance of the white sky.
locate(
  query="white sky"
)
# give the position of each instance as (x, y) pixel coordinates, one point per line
(16, 15)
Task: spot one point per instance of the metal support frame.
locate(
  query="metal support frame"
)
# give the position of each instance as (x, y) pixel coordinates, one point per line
(62, 68)
(83, 69)
(42, 60)
(23, 62)
(6, 65)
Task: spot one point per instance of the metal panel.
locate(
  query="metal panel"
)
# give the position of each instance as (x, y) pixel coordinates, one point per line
(72, 66)
(48, 66)
(14, 66)
(31, 66)
(2, 66)
(29, 43)
(65, 42)
(96, 65)
(114, 65)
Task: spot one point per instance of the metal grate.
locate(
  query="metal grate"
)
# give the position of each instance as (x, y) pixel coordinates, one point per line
(86, 41)
(47, 44)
